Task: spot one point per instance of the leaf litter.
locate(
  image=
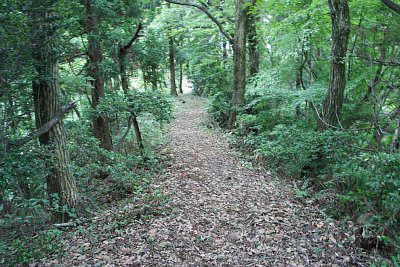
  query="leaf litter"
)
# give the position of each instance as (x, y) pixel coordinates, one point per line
(220, 212)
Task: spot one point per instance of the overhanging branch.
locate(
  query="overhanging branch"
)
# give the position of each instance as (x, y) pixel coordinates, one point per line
(45, 127)
(124, 48)
(204, 9)
(128, 128)
(393, 6)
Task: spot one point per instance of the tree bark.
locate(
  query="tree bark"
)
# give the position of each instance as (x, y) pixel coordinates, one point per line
(239, 62)
(394, 148)
(172, 66)
(181, 78)
(393, 6)
(101, 126)
(333, 103)
(254, 54)
(46, 92)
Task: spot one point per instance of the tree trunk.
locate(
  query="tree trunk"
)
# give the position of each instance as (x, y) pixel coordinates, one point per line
(122, 72)
(46, 92)
(101, 127)
(181, 78)
(172, 66)
(254, 55)
(239, 62)
(340, 17)
(394, 148)
(225, 52)
(378, 133)
(153, 77)
(392, 5)
(125, 87)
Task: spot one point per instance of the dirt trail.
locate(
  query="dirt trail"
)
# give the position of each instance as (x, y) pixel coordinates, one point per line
(224, 213)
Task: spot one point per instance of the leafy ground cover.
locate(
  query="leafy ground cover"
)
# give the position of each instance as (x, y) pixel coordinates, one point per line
(210, 207)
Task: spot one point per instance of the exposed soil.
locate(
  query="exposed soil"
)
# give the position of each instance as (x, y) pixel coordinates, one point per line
(222, 211)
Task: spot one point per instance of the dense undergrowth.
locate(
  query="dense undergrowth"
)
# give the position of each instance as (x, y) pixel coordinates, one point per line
(343, 168)
(104, 178)
(338, 168)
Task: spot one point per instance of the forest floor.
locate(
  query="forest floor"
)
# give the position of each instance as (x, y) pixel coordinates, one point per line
(211, 207)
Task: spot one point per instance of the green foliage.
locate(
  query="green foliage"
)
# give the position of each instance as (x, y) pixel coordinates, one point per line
(285, 98)
(371, 180)
(22, 186)
(209, 76)
(157, 103)
(30, 248)
(287, 148)
(220, 107)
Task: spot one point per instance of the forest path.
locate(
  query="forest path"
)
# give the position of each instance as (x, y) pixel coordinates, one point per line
(224, 212)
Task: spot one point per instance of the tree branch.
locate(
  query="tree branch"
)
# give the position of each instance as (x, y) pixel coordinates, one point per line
(378, 61)
(2, 80)
(393, 6)
(128, 128)
(45, 127)
(124, 48)
(204, 9)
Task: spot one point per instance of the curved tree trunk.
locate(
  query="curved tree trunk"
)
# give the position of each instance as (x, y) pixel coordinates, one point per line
(340, 17)
(101, 127)
(46, 92)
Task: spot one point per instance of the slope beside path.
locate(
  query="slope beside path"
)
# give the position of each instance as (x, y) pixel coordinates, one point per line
(224, 212)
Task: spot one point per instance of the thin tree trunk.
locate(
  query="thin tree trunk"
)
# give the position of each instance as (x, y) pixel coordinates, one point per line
(340, 17)
(153, 77)
(61, 184)
(101, 127)
(225, 52)
(379, 71)
(144, 79)
(138, 134)
(172, 66)
(181, 78)
(394, 148)
(125, 87)
(122, 72)
(378, 133)
(239, 62)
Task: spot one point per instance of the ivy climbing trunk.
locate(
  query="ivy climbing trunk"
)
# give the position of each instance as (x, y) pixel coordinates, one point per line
(101, 127)
(239, 61)
(333, 103)
(46, 93)
(172, 66)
